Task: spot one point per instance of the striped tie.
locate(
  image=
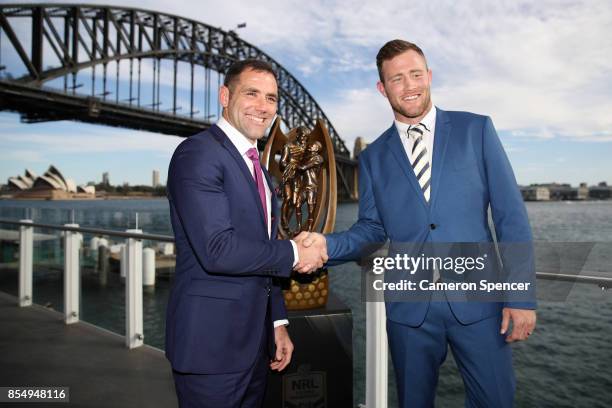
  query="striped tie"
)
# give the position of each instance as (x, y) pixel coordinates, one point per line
(419, 159)
(422, 170)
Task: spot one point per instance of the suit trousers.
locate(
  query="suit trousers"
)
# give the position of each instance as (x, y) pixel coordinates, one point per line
(482, 355)
(244, 389)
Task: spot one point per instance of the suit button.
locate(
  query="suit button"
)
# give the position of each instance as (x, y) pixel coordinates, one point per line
(432, 226)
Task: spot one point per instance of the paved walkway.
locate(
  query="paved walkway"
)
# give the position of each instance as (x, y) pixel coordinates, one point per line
(38, 349)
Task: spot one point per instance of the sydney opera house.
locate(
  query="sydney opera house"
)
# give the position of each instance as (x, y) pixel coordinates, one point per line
(50, 186)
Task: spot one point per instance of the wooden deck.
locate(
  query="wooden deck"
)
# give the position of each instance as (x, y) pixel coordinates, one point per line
(38, 349)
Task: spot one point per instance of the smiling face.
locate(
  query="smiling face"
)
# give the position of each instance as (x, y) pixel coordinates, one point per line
(406, 84)
(250, 102)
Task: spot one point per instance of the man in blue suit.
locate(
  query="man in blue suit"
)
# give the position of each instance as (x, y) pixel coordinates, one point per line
(431, 178)
(226, 312)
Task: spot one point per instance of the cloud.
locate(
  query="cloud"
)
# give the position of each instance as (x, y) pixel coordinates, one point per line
(26, 156)
(542, 74)
(513, 149)
(310, 66)
(57, 138)
(539, 69)
(360, 112)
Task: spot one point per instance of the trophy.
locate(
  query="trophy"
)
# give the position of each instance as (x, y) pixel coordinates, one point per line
(303, 164)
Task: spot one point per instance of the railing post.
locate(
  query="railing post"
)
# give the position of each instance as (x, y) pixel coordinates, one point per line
(134, 334)
(123, 261)
(376, 356)
(26, 253)
(148, 275)
(72, 275)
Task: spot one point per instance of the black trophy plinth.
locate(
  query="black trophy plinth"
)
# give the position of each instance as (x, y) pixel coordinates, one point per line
(321, 371)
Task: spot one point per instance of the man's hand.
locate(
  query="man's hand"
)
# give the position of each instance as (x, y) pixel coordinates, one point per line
(312, 249)
(523, 323)
(284, 349)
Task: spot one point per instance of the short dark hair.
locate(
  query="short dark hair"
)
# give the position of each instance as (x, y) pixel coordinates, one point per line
(392, 49)
(234, 71)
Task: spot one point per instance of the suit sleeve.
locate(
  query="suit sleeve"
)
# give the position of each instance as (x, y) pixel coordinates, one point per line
(368, 233)
(510, 219)
(195, 187)
(277, 303)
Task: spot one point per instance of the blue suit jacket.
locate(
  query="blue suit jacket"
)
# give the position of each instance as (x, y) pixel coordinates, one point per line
(470, 172)
(225, 260)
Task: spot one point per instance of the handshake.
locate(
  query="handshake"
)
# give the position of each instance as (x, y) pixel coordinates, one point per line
(312, 251)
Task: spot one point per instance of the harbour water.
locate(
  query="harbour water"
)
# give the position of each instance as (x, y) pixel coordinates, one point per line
(566, 363)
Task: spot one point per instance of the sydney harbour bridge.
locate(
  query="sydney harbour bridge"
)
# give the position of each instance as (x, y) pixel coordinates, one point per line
(136, 69)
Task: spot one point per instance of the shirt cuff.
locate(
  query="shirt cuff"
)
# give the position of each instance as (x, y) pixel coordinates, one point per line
(282, 322)
(296, 256)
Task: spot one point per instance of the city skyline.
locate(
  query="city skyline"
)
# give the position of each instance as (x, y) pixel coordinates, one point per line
(115, 179)
(541, 72)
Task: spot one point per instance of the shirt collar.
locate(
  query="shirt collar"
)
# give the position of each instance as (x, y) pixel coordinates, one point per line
(239, 141)
(429, 120)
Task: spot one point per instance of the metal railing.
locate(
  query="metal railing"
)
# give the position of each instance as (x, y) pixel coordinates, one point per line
(376, 335)
(88, 230)
(134, 330)
(377, 349)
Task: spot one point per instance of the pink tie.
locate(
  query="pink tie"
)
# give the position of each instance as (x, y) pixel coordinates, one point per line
(254, 156)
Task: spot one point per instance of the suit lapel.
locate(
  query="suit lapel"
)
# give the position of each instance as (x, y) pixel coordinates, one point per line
(224, 140)
(397, 149)
(442, 134)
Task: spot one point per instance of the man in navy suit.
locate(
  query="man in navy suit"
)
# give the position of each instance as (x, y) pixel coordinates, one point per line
(226, 312)
(431, 178)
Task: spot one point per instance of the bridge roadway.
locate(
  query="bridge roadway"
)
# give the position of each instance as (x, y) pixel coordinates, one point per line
(38, 349)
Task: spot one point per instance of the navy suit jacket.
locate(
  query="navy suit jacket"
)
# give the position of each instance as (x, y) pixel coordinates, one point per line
(470, 173)
(225, 260)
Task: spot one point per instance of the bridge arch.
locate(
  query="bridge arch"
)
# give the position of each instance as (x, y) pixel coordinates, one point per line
(84, 36)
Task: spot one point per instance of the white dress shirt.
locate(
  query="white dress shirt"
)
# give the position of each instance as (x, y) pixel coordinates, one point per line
(243, 144)
(428, 137)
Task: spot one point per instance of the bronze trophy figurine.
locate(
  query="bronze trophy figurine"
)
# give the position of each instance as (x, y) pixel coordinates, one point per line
(311, 166)
(304, 164)
(290, 162)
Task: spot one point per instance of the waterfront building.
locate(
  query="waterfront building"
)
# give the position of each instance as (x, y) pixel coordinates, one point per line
(535, 193)
(583, 191)
(88, 189)
(21, 182)
(601, 191)
(53, 179)
(155, 178)
(564, 191)
(360, 145)
(52, 185)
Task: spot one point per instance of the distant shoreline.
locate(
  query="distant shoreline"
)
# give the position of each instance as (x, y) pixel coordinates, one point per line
(590, 200)
(118, 197)
(127, 198)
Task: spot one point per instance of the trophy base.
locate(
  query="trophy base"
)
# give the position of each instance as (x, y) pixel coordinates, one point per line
(307, 291)
(321, 371)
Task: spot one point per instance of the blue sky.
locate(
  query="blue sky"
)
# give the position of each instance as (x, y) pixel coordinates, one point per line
(542, 71)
